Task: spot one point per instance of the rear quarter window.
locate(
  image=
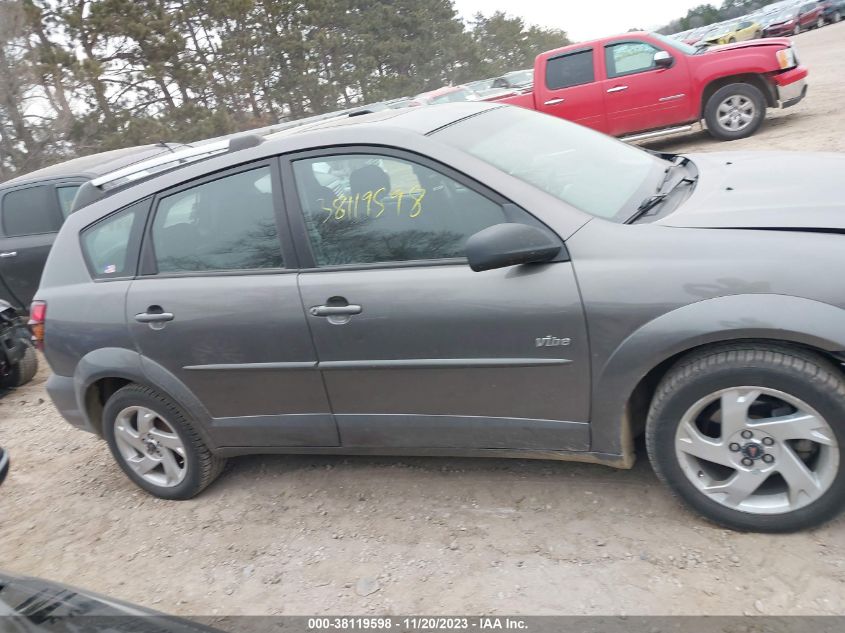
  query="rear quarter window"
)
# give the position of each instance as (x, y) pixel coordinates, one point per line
(110, 246)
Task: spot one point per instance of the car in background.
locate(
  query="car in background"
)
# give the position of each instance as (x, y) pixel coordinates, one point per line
(833, 10)
(694, 36)
(34, 206)
(18, 360)
(446, 94)
(515, 80)
(641, 85)
(738, 31)
(794, 20)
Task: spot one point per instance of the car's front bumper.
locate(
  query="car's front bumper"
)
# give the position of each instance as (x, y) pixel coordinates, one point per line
(791, 86)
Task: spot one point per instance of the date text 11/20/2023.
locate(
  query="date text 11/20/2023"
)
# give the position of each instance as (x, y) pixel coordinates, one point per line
(371, 204)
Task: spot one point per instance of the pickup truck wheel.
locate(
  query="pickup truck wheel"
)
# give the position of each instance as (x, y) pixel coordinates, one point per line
(734, 111)
(23, 371)
(156, 444)
(749, 435)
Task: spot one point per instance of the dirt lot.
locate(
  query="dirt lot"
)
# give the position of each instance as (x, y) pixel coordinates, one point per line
(305, 535)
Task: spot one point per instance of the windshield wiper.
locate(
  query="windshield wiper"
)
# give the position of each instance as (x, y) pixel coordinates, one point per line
(655, 200)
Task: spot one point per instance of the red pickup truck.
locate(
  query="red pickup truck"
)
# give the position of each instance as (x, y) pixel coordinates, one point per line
(640, 85)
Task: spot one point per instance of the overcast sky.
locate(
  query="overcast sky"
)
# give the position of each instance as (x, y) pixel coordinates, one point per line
(584, 19)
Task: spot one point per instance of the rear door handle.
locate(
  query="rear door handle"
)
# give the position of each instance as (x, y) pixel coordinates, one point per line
(154, 317)
(554, 101)
(329, 311)
(8, 254)
(617, 89)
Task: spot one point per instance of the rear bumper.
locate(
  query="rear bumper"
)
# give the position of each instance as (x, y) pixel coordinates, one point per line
(791, 86)
(62, 392)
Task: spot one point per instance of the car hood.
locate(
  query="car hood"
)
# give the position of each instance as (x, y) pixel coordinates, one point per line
(801, 191)
(782, 42)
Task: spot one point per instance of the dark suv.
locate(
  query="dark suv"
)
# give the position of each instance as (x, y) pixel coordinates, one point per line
(33, 208)
(464, 279)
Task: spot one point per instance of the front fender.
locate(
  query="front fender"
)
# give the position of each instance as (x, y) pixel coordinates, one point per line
(126, 364)
(721, 319)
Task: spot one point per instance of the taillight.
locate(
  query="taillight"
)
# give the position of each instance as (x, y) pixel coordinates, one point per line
(37, 316)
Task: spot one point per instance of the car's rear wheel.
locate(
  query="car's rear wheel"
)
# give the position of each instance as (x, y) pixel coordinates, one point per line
(820, 22)
(156, 444)
(23, 371)
(735, 111)
(749, 435)
(796, 30)
(836, 17)
(732, 40)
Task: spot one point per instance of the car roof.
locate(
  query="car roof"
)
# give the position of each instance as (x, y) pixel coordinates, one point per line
(93, 165)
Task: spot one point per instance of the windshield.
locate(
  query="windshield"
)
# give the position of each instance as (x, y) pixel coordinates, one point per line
(590, 171)
(686, 49)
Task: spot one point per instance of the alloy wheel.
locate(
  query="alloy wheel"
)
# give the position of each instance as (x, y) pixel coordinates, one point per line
(757, 450)
(150, 446)
(736, 113)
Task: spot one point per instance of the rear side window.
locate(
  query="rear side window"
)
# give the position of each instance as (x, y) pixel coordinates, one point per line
(226, 224)
(110, 245)
(569, 70)
(30, 211)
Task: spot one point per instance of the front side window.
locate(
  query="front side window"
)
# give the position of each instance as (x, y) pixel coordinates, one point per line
(30, 211)
(368, 208)
(225, 224)
(628, 58)
(570, 70)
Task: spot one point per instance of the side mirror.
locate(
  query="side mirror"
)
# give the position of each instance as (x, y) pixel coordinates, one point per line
(510, 244)
(4, 464)
(662, 59)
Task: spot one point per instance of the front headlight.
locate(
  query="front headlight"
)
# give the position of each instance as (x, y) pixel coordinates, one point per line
(787, 58)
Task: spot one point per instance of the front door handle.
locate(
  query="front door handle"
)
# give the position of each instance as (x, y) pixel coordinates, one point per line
(554, 101)
(330, 311)
(154, 317)
(8, 254)
(617, 89)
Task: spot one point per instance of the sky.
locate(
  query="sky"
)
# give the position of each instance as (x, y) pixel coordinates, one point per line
(584, 19)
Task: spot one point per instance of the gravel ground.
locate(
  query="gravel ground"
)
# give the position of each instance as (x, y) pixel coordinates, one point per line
(307, 535)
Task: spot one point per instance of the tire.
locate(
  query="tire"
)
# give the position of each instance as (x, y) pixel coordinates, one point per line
(24, 371)
(797, 30)
(801, 375)
(820, 22)
(836, 17)
(198, 466)
(744, 94)
(732, 40)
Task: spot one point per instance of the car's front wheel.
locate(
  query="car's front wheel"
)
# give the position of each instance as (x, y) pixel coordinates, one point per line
(749, 435)
(820, 22)
(156, 444)
(735, 111)
(797, 30)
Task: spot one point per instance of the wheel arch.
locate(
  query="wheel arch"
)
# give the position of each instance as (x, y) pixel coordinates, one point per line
(102, 372)
(755, 79)
(624, 385)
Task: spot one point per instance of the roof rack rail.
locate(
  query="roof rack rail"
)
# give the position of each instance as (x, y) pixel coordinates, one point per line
(95, 188)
